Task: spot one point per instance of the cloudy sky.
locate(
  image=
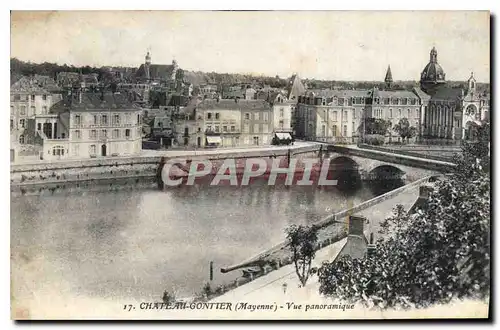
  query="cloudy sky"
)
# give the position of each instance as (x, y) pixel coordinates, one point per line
(322, 45)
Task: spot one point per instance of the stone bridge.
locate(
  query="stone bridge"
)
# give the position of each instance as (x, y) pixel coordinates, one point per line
(374, 164)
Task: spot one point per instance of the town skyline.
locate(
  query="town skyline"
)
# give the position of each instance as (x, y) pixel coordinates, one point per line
(459, 37)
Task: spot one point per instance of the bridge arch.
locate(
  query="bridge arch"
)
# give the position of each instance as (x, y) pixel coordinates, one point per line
(384, 178)
(385, 171)
(346, 171)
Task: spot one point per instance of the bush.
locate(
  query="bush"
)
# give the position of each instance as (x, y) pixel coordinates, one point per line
(439, 253)
(375, 139)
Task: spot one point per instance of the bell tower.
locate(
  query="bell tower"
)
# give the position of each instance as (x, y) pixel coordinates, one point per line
(388, 78)
(147, 65)
(471, 83)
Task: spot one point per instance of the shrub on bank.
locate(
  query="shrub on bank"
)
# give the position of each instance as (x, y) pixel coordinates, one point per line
(375, 139)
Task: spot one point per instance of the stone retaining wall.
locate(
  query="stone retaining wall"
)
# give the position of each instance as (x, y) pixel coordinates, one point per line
(36, 176)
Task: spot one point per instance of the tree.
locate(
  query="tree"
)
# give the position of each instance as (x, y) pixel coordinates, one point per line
(168, 297)
(404, 129)
(375, 126)
(440, 252)
(303, 241)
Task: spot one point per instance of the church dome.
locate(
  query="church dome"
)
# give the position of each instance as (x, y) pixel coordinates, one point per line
(433, 73)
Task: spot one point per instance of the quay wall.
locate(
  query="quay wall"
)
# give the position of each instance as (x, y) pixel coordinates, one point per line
(59, 175)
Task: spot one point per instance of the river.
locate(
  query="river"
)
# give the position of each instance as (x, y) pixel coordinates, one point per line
(138, 243)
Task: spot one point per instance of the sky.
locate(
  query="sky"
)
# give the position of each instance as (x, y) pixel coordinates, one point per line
(334, 45)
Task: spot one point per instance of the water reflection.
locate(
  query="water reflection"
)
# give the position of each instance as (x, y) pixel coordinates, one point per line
(138, 243)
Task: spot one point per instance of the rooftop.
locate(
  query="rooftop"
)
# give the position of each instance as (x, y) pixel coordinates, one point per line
(95, 101)
(223, 104)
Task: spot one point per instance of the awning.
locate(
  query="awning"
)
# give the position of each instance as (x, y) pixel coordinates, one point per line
(214, 140)
(283, 136)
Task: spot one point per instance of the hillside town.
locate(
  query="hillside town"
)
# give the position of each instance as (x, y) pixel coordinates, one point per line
(156, 106)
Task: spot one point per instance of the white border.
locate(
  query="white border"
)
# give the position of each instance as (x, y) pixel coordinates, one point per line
(191, 5)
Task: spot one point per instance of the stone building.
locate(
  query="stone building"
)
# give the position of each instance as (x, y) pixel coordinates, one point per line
(88, 125)
(225, 123)
(450, 113)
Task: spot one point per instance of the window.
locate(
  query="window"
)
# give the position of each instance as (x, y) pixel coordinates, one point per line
(17, 97)
(323, 130)
(390, 113)
(334, 116)
(344, 117)
(399, 113)
(386, 100)
(209, 115)
(92, 149)
(58, 151)
(409, 113)
(44, 97)
(246, 128)
(256, 116)
(217, 115)
(95, 120)
(22, 122)
(44, 110)
(209, 128)
(224, 128)
(345, 131)
(116, 119)
(138, 119)
(417, 113)
(127, 133)
(32, 97)
(282, 112)
(233, 128)
(353, 113)
(404, 101)
(21, 139)
(93, 134)
(39, 127)
(256, 140)
(255, 128)
(341, 101)
(216, 128)
(281, 124)
(76, 149)
(78, 134)
(334, 130)
(104, 120)
(12, 124)
(247, 116)
(22, 112)
(104, 133)
(32, 111)
(266, 116)
(78, 119)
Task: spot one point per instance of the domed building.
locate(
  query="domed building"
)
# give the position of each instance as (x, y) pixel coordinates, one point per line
(449, 112)
(433, 74)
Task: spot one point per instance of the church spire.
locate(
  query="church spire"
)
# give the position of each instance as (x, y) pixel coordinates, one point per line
(388, 77)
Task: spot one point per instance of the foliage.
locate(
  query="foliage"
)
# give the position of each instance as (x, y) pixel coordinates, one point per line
(303, 241)
(374, 139)
(168, 297)
(475, 153)
(404, 129)
(375, 126)
(207, 290)
(439, 253)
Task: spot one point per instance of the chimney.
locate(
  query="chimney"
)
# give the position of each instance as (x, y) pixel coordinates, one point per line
(356, 225)
(425, 191)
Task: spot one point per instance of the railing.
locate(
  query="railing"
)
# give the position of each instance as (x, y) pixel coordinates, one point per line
(405, 152)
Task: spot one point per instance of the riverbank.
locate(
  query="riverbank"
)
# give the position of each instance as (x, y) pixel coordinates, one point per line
(40, 176)
(331, 230)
